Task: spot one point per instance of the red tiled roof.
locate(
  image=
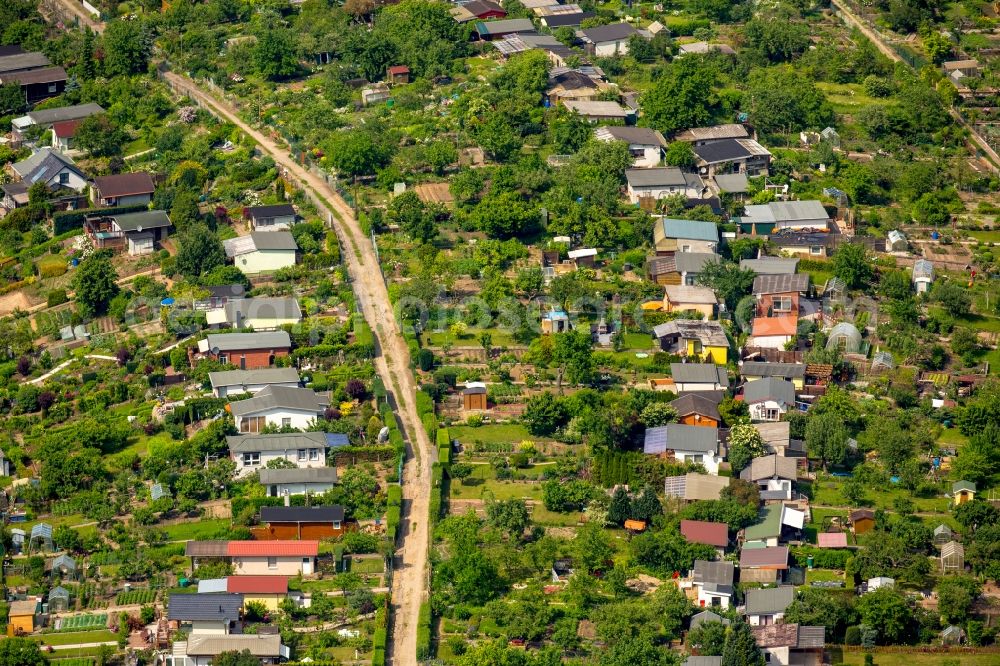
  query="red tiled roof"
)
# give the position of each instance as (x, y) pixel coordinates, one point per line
(775, 326)
(399, 69)
(272, 548)
(257, 584)
(66, 128)
(700, 531)
(831, 540)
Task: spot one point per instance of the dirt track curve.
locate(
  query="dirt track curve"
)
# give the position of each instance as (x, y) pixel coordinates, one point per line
(409, 582)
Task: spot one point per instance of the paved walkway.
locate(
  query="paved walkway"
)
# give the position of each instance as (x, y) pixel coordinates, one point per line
(59, 368)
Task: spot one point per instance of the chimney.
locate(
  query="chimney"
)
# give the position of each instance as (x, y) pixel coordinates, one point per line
(288, 499)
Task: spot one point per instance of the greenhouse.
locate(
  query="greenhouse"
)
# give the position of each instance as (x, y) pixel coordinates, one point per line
(845, 337)
(883, 360)
(58, 599)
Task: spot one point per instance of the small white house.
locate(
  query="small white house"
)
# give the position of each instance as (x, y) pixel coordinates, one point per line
(767, 605)
(279, 217)
(661, 182)
(305, 450)
(699, 377)
(923, 275)
(713, 581)
(769, 399)
(52, 168)
(298, 481)
(607, 40)
(645, 145)
(279, 407)
(685, 444)
(203, 650)
(262, 252)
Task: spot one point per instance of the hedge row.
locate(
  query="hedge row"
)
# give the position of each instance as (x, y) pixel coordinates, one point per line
(444, 447)
(834, 558)
(68, 220)
(394, 497)
(425, 404)
(424, 631)
(430, 425)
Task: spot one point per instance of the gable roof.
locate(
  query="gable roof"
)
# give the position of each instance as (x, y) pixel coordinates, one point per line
(663, 177)
(260, 241)
(277, 307)
(831, 540)
(716, 576)
(504, 27)
(252, 377)
(22, 61)
(681, 437)
(710, 333)
(43, 165)
(732, 183)
(861, 514)
(692, 403)
(272, 548)
(781, 283)
(761, 601)
(211, 645)
(787, 211)
(768, 326)
(63, 113)
(65, 129)
(284, 441)
(609, 33)
(774, 389)
(125, 184)
(211, 548)
(298, 475)
(274, 210)
(699, 373)
(225, 342)
(768, 467)
(686, 294)
(707, 616)
(222, 607)
(775, 557)
(302, 514)
(700, 531)
(640, 136)
(257, 584)
(681, 262)
(771, 265)
(693, 486)
(960, 486)
(147, 219)
(45, 75)
(281, 397)
(768, 527)
(784, 370)
(689, 229)
(714, 133)
(724, 150)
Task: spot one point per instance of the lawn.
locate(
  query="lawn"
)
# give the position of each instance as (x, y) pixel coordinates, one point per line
(912, 658)
(985, 236)
(497, 433)
(498, 490)
(72, 638)
(368, 565)
(952, 437)
(846, 97)
(823, 576)
(198, 530)
(826, 492)
(542, 516)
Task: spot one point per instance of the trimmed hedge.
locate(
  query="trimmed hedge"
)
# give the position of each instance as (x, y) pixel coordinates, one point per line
(430, 425)
(425, 404)
(394, 495)
(823, 558)
(444, 446)
(424, 631)
(68, 220)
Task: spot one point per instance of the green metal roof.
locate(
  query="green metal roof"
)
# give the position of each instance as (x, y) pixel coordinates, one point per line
(769, 526)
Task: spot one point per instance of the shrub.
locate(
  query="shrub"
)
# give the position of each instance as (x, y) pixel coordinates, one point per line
(56, 297)
(852, 636)
(424, 631)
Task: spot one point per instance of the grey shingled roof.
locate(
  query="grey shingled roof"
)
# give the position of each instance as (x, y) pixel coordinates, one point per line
(63, 113)
(43, 164)
(763, 601)
(699, 373)
(302, 514)
(710, 333)
(150, 219)
(251, 377)
(719, 575)
(770, 388)
(781, 283)
(286, 441)
(304, 475)
(692, 403)
(263, 308)
(771, 466)
(240, 341)
(609, 33)
(204, 607)
(663, 177)
(273, 240)
(707, 616)
(785, 370)
(281, 397)
(640, 136)
(22, 61)
(681, 437)
(770, 265)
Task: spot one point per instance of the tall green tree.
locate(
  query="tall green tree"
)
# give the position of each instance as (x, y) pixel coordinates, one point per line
(95, 284)
(888, 612)
(740, 648)
(19, 651)
(274, 53)
(574, 354)
(683, 97)
(412, 216)
(727, 280)
(852, 265)
(127, 46)
(200, 251)
(826, 439)
(100, 136)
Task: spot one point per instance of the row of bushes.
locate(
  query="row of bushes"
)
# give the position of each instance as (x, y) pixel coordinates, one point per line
(822, 558)
(424, 631)
(70, 220)
(393, 511)
(444, 447)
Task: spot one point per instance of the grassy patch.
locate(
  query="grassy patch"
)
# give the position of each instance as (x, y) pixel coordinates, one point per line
(499, 490)
(72, 638)
(846, 98)
(952, 437)
(985, 236)
(827, 492)
(542, 516)
(498, 433)
(911, 658)
(368, 565)
(823, 576)
(202, 529)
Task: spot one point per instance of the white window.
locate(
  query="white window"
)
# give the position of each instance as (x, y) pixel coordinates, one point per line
(816, 249)
(685, 248)
(697, 460)
(53, 88)
(302, 452)
(313, 454)
(336, 524)
(782, 304)
(286, 422)
(772, 414)
(272, 563)
(251, 459)
(689, 280)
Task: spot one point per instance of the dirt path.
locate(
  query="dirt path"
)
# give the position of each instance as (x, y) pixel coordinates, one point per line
(852, 19)
(410, 578)
(67, 11)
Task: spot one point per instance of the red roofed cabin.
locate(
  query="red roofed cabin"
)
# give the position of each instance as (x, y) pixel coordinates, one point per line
(485, 9)
(63, 133)
(709, 534)
(273, 558)
(398, 74)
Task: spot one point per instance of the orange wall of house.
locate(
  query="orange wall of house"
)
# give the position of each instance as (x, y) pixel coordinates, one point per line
(475, 401)
(691, 419)
(290, 531)
(767, 300)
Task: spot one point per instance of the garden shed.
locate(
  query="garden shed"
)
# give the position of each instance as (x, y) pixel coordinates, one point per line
(895, 241)
(844, 336)
(41, 537)
(952, 557)
(58, 600)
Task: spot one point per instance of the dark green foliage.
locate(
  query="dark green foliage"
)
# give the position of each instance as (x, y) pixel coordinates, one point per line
(740, 648)
(95, 284)
(200, 251)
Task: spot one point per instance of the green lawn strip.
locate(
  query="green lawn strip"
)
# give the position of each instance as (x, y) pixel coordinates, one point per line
(498, 433)
(498, 490)
(74, 637)
(914, 658)
(200, 530)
